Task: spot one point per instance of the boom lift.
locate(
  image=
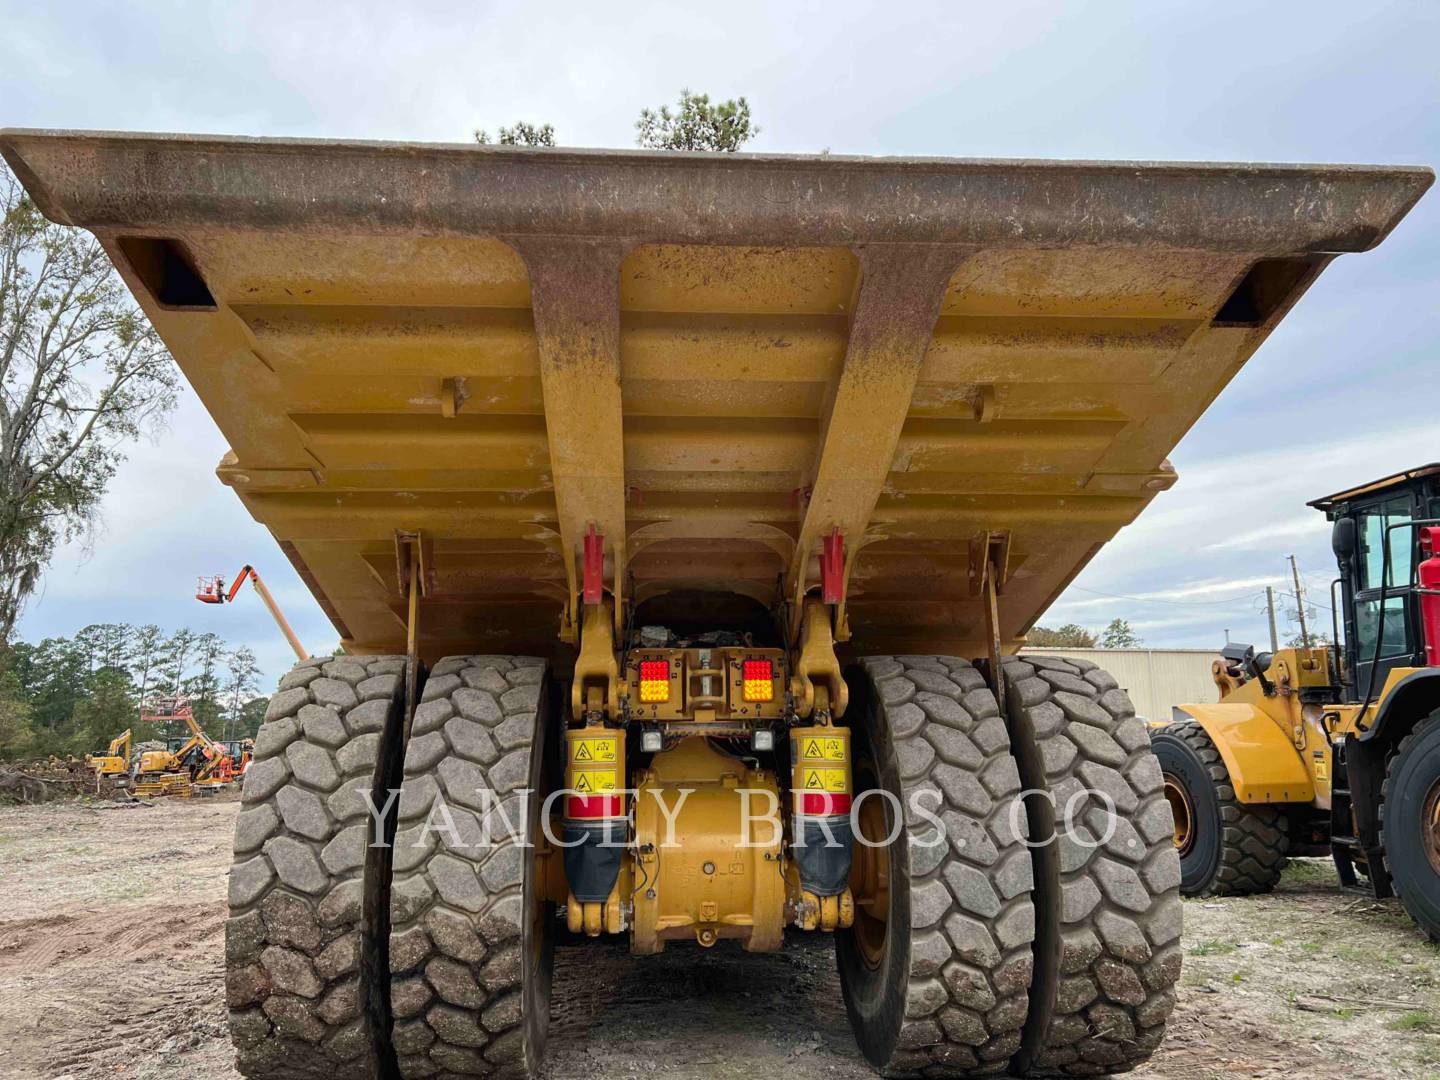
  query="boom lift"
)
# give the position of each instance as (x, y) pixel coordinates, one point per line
(1329, 749)
(211, 590)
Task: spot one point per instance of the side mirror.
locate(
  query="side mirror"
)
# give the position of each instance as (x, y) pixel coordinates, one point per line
(1235, 653)
(1342, 538)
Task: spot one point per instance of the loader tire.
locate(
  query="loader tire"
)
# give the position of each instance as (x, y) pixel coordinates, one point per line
(1410, 823)
(471, 945)
(1227, 848)
(305, 937)
(936, 981)
(1107, 897)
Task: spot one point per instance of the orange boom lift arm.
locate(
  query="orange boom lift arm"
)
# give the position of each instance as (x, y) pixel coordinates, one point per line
(211, 590)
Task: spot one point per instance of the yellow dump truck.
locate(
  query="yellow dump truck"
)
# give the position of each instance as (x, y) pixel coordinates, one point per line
(681, 515)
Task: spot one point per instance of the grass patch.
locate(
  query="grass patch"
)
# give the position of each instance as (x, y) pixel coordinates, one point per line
(1415, 1020)
(1214, 947)
(1309, 872)
(1397, 919)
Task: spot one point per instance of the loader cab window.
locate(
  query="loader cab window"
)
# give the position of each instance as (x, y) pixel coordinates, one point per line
(1396, 628)
(1373, 522)
(1367, 626)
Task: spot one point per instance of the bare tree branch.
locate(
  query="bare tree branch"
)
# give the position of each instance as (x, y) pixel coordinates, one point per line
(81, 374)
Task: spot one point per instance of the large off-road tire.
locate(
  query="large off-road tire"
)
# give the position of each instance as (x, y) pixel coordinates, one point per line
(471, 945)
(305, 936)
(1107, 899)
(1226, 847)
(935, 979)
(1410, 823)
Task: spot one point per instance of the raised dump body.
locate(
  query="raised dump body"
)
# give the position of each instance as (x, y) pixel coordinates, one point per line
(712, 478)
(716, 360)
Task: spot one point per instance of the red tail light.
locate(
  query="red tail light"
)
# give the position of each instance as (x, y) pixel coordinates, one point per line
(759, 681)
(654, 682)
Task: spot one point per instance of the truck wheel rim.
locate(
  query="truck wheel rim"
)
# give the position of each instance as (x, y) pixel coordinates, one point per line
(872, 866)
(1430, 826)
(1179, 800)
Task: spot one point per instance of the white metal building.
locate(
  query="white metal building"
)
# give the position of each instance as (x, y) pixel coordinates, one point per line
(1156, 679)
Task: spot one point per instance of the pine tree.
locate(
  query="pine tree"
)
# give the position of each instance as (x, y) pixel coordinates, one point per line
(148, 653)
(104, 713)
(1119, 635)
(696, 125)
(241, 684)
(176, 659)
(203, 688)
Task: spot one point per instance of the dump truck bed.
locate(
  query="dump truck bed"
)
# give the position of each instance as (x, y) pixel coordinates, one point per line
(715, 361)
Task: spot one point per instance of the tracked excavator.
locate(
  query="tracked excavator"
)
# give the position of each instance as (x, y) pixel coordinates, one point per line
(194, 764)
(115, 761)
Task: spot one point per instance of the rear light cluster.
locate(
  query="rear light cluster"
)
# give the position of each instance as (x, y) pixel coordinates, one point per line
(759, 681)
(654, 682)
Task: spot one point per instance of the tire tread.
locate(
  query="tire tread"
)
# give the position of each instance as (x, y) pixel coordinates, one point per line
(296, 936)
(1415, 735)
(1115, 907)
(457, 916)
(1254, 840)
(972, 917)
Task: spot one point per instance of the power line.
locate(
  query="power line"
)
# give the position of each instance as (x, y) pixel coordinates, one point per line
(1309, 602)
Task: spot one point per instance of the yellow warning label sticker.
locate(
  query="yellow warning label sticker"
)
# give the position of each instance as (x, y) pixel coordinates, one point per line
(587, 783)
(823, 780)
(823, 749)
(1322, 770)
(594, 750)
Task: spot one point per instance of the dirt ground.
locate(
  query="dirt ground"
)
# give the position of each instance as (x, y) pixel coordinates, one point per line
(112, 937)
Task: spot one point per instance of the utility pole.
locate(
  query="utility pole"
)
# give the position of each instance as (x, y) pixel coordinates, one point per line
(1270, 607)
(1300, 603)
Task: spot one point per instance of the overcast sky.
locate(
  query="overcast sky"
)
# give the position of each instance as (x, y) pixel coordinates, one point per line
(1343, 392)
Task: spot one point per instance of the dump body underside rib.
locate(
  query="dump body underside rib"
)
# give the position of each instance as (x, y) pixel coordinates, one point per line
(714, 360)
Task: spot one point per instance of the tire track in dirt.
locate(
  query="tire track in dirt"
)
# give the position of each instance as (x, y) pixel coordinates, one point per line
(35, 944)
(112, 966)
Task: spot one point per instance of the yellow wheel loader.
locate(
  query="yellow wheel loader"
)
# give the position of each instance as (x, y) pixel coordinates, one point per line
(1324, 750)
(681, 516)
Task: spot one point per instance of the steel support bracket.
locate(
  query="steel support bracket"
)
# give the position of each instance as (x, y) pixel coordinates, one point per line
(989, 564)
(414, 560)
(818, 685)
(596, 687)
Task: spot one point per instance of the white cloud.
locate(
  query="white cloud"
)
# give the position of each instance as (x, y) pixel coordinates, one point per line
(1280, 530)
(1230, 522)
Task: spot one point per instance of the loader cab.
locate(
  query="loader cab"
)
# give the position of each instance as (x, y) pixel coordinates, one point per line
(1377, 548)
